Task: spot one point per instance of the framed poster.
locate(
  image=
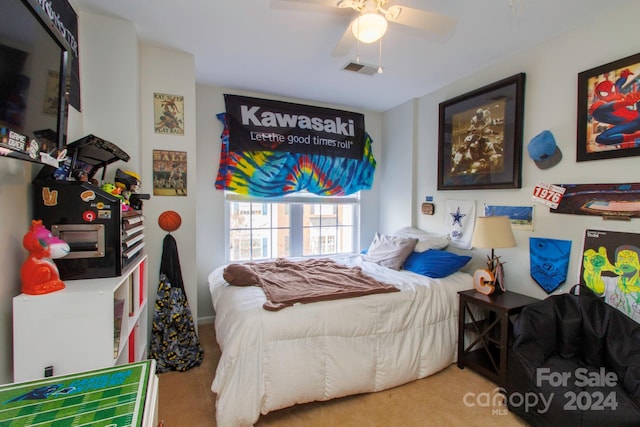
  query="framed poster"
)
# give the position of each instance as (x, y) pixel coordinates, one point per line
(480, 137)
(50, 105)
(610, 201)
(608, 113)
(611, 269)
(169, 173)
(520, 217)
(168, 113)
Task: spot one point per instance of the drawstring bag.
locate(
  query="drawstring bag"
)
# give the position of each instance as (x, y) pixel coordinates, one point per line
(174, 342)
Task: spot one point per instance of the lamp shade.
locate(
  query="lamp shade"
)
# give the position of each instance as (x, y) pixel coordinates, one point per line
(493, 232)
(369, 27)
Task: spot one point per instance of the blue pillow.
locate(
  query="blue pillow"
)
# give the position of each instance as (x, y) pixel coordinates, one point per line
(435, 263)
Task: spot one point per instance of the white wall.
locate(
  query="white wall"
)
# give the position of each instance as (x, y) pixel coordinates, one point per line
(118, 79)
(169, 72)
(15, 211)
(109, 68)
(396, 169)
(210, 215)
(550, 103)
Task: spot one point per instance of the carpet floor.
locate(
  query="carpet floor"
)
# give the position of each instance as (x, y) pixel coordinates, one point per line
(452, 397)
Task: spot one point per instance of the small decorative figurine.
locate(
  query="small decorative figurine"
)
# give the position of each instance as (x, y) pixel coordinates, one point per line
(39, 273)
(490, 280)
(111, 188)
(129, 184)
(116, 191)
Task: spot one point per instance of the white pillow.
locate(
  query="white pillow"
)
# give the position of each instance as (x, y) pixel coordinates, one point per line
(426, 240)
(390, 251)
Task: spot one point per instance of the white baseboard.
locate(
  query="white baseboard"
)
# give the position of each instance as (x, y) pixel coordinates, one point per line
(206, 320)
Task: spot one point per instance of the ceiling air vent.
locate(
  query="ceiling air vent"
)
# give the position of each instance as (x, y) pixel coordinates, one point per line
(361, 68)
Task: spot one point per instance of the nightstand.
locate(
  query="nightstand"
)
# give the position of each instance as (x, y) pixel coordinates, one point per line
(484, 319)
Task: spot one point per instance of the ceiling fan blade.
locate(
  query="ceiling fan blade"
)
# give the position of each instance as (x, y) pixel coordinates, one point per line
(330, 6)
(423, 20)
(327, 3)
(345, 43)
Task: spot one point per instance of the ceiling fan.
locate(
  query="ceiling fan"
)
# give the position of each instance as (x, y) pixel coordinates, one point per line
(370, 23)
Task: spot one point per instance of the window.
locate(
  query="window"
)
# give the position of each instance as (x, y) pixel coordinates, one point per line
(303, 226)
(328, 229)
(258, 230)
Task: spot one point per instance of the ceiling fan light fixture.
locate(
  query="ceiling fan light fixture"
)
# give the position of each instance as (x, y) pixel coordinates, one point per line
(369, 27)
(343, 4)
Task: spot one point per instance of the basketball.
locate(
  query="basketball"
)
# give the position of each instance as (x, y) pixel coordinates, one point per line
(169, 221)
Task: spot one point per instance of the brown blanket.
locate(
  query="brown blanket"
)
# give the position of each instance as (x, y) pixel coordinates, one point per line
(286, 282)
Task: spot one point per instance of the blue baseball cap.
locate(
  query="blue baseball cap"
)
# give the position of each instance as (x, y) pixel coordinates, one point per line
(544, 151)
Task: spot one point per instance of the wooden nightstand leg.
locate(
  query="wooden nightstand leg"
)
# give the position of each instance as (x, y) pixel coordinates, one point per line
(504, 348)
(461, 320)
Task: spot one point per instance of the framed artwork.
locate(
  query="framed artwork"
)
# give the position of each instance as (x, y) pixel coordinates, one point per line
(610, 201)
(480, 137)
(520, 217)
(168, 113)
(50, 105)
(608, 116)
(169, 173)
(610, 261)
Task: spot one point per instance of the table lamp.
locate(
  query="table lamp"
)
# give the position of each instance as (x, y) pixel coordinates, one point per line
(491, 232)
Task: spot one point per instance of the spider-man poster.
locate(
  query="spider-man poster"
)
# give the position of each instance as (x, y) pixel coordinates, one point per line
(608, 113)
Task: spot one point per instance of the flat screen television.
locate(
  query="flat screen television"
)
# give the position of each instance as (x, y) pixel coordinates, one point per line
(34, 76)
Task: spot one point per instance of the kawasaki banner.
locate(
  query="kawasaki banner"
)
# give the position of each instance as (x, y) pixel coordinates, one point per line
(265, 125)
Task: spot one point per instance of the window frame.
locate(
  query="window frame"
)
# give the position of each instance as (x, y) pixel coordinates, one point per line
(296, 202)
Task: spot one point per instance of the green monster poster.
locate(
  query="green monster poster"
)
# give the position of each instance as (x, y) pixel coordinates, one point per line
(610, 267)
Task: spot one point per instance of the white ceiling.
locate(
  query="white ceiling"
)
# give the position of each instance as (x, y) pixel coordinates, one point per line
(256, 45)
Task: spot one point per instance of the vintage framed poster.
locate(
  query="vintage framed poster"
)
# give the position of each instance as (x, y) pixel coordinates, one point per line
(169, 173)
(611, 268)
(168, 113)
(608, 113)
(480, 137)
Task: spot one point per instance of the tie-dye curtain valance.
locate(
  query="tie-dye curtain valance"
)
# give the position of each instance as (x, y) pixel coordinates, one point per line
(274, 174)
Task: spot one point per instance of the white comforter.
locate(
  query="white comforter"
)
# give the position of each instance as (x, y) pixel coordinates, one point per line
(323, 350)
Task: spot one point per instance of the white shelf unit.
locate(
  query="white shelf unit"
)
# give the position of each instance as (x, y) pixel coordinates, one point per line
(75, 329)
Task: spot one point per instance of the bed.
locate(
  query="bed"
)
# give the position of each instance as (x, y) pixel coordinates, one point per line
(329, 349)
